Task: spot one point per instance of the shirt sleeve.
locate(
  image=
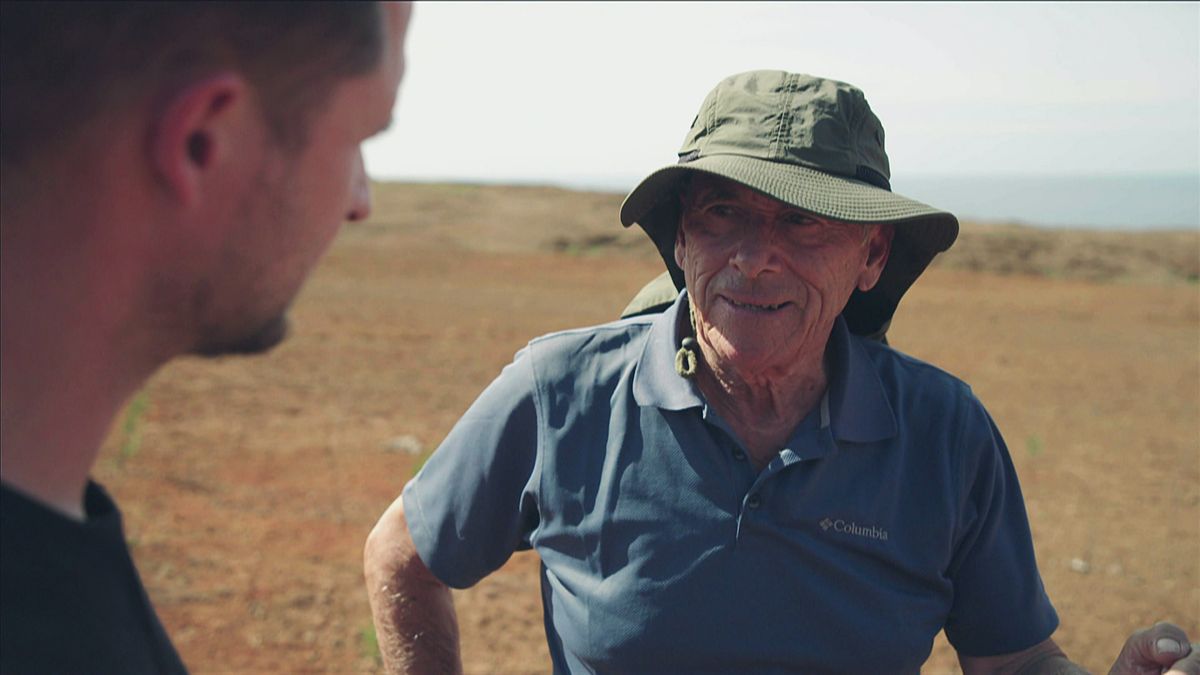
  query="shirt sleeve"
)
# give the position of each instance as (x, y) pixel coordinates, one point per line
(473, 502)
(1000, 605)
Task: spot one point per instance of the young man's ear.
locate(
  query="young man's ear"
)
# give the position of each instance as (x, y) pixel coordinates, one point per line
(197, 128)
(879, 247)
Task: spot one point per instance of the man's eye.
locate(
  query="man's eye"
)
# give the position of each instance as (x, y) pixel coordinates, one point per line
(799, 220)
(722, 210)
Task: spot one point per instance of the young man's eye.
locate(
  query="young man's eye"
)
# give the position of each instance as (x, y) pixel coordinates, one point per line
(722, 210)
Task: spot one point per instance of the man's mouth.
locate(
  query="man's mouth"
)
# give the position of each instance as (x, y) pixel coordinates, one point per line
(755, 306)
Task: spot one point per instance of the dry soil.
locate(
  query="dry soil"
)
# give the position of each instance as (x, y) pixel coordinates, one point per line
(249, 485)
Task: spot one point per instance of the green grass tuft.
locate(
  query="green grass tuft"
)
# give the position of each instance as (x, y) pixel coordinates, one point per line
(131, 427)
(1033, 446)
(368, 643)
(420, 461)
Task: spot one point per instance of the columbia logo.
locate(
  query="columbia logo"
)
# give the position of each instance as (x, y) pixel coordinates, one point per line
(853, 528)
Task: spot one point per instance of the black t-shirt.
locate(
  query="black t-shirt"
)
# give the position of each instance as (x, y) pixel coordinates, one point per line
(70, 598)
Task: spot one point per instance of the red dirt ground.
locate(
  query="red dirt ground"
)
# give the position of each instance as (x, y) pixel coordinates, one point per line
(255, 481)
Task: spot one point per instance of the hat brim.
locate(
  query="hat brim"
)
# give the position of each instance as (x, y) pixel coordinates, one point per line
(922, 231)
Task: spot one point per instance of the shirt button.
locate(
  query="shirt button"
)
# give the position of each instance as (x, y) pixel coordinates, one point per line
(739, 455)
(752, 501)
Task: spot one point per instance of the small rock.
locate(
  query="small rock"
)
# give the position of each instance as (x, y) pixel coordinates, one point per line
(407, 444)
(1080, 565)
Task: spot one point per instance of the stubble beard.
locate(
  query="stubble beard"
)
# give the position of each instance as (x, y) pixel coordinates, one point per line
(242, 331)
(257, 341)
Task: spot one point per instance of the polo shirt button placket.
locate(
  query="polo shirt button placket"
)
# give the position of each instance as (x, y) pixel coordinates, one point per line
(753, 502)
(739, 455)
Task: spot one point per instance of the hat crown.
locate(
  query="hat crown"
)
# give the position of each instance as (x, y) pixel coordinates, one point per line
(794, 118)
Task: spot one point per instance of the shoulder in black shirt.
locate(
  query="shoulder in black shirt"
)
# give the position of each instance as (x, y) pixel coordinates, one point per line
(71, 600)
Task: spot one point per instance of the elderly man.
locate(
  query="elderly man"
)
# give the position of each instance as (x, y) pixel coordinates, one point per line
(172, 171)
(741, 483)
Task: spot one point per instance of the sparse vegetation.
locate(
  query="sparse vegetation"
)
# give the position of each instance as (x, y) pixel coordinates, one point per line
(1033, 446)
(420, 460)
(131, 428)
(368, 643)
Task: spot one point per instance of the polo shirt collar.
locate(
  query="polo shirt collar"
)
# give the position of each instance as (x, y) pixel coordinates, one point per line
(859, 409)
(655, 382)
(856, 405)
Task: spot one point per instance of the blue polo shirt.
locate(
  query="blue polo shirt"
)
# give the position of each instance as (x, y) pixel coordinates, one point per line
(892, 512)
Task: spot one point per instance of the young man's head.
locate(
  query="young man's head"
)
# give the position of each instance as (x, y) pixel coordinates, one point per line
(201, 155)
(65, 63)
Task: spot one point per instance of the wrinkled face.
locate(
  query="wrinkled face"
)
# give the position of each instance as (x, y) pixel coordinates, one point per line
(767, 280)
(296, 206)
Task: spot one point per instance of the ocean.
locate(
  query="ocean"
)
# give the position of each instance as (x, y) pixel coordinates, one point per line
(1106, 202)
(1109, 202)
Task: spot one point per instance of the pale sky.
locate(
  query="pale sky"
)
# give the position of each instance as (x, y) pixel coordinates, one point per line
(601, 94)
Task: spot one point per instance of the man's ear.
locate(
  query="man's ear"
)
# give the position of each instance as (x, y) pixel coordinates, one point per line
(196, 128)
(879, 247)
(679, 244)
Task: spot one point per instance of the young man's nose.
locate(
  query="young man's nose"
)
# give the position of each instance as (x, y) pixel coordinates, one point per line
(360, 194)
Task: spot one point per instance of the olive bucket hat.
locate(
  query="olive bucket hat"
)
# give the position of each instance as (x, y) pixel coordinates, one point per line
(810, 142)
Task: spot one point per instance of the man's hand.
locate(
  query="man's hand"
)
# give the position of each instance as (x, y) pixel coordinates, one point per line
(1160, 649)
(413, 611)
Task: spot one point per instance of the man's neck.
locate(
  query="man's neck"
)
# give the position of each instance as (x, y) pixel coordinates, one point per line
(72, 354)
(56, 412)
(763, 410)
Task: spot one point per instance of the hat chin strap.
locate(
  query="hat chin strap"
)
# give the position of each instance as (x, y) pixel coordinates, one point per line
(686, 359)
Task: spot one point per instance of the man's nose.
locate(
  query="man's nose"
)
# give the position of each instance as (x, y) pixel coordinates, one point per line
(360, 193)
(756, 252)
